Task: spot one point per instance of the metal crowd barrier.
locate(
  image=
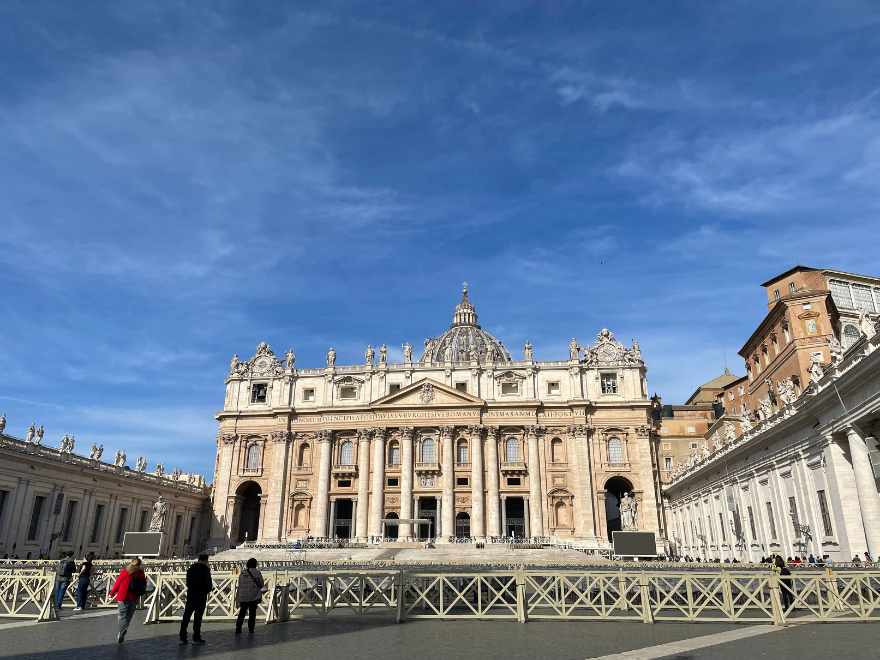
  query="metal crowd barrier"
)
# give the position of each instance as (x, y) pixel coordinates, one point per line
(520, 595)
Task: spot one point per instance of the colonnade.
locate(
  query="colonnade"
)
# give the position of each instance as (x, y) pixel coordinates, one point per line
(486, 504)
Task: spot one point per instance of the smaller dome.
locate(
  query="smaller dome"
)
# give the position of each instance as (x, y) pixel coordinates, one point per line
(463, 335)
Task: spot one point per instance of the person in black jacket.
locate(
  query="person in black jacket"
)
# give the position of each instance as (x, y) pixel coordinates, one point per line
(198, 586)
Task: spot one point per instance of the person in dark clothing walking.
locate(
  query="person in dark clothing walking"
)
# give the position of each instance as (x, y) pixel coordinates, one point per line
(198, 586)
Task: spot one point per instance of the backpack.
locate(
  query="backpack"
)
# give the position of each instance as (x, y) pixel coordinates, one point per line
(137, 586)
(61, 571)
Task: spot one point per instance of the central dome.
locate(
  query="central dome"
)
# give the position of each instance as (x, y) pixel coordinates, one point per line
(463, 334)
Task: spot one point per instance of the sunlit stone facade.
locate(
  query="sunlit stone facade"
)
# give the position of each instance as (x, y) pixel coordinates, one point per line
(478, 443)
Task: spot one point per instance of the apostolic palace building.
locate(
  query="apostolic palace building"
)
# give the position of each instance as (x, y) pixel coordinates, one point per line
(465, 437)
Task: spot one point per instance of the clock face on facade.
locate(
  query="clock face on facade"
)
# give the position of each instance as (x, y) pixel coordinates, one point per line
(262, 364)
(606, 352)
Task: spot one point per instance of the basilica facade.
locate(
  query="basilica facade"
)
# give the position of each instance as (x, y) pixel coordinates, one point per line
(465, 437)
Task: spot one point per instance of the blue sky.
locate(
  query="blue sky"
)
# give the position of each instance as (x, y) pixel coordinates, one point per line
(182, 180)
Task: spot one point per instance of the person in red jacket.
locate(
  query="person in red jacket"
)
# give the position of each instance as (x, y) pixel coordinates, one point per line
(125, 599)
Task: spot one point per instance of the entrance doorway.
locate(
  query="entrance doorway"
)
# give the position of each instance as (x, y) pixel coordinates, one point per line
(427, 509)
(391, 531)
(343, 523)
(463, 525)
(249, 526)
(614, 490)
(516, 517)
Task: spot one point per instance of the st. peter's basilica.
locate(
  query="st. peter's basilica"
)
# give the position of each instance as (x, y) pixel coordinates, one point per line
(478, 443)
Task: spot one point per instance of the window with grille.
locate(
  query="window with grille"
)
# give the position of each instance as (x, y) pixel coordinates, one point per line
(462, 452)
(253, 457)
(609, 384)
(752, 524)
(851, 335)
(511, 450)
(615, 451)
(428, 450)
(826, 515)
(346, 453)
(841, 295)
(862, 297)
(771, 522)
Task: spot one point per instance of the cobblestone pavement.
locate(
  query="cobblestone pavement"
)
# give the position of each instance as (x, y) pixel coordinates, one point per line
(93, 638)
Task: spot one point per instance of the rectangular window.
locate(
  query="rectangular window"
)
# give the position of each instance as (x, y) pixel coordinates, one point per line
(723, 531)
(177, 520)
(826, 515)
(510, 388)
(514, 481)
(393, 482)
(795, 522)
(59, 502)
(553, 389)
(36, 514)
(461, 481)
(69, 520)
(142, 527)
(461, 387)
(393, 387)
(667, 462)
(752, 524)
(771, 521)
(841, 295)
(348, 393)
(862, 297)
(609, 384)
(120, 526)
(259, 392)
(96, 523)
(309, 394)
(4, 496)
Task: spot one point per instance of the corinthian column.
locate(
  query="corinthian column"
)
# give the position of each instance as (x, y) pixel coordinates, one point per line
(323, 500)
(273, 529)
(478, 522)
(378, 505)
(406, 479)
(363, 511)
(869, 501)
(492, 497)
(536, 498)
(448, 495)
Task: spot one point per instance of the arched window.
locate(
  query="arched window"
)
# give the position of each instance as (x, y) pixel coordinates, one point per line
(511, 450)
(253, 457)
(427, 450)
(346, 453)
(305, 454)
(394, 454)
(851, 335)
(461, 455)
(556, 450)
(615, 451)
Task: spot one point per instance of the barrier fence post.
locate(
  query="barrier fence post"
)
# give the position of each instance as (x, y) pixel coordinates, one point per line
(401, 597)
(644, 585)
(778, 614)
(522, 614)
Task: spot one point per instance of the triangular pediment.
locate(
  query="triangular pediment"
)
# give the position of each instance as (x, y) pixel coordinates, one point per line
(414, 396)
